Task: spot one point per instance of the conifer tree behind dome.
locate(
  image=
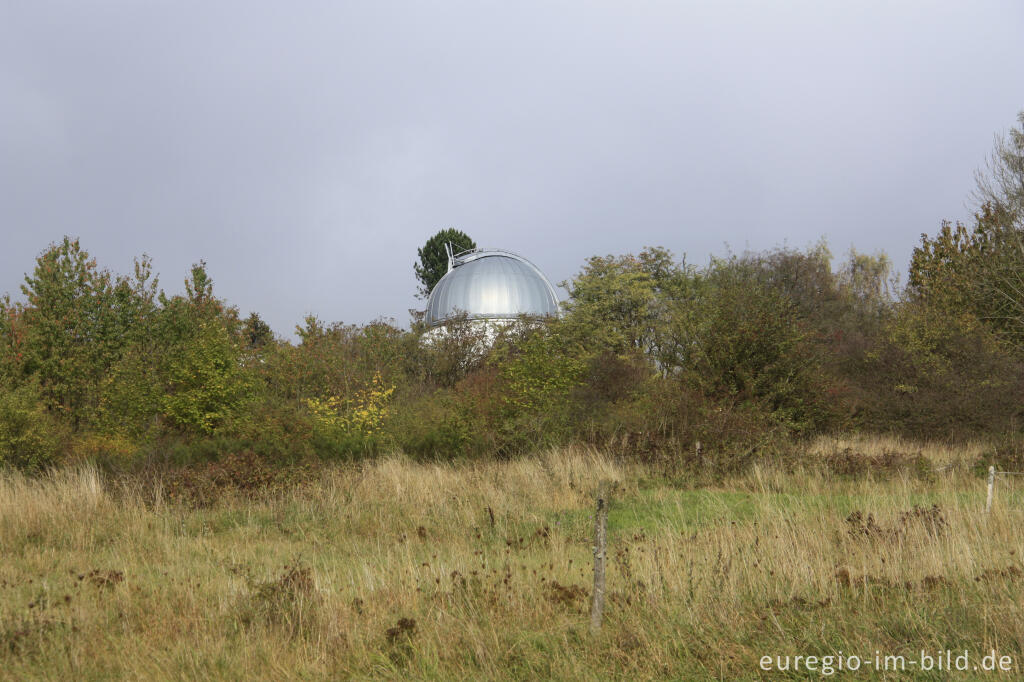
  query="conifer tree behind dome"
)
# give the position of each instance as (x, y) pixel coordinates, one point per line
(433, 262)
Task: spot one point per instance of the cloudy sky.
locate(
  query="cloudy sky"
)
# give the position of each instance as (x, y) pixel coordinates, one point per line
(305, 150)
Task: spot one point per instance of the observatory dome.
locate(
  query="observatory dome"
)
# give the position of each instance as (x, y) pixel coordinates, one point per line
(488, 284)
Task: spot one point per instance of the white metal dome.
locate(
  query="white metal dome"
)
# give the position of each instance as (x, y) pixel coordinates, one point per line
(490, 284)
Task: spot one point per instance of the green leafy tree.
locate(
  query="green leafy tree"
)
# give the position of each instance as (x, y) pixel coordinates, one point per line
(539, 372)
(205, 384)
(186, 371)
(977, 272)
(203, 377)
(78, 319)
(747, 342)
(433, 263)
(625, 305)
(946, 270)
(131, 394)
(612, 303)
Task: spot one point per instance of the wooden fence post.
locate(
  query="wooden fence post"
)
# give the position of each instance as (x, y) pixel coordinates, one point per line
(600, 555)
(991, 488)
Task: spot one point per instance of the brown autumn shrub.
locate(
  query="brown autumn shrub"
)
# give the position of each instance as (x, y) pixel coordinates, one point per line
(276, 429)
(933, 375)
(244, 474)
(852, 464)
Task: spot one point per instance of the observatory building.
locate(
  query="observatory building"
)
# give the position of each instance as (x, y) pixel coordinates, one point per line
(490, 285)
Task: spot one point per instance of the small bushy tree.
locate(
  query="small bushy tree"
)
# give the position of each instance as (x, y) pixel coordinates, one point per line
(30, 438)
(538, 376)
(977, 271)
(78, 319)
(622, 304)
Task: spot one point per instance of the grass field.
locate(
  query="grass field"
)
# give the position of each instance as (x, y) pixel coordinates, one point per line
(393, 569)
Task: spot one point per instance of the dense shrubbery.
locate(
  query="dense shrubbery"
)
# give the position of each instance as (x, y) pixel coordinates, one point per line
(30, 438)
(652, 357)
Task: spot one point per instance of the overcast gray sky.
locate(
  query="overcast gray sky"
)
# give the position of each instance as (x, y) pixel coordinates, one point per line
(305, 150)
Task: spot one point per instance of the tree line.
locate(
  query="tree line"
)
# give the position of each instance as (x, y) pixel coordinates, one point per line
(744, 355)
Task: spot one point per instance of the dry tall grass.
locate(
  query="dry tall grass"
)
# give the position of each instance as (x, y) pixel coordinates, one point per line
(394, 569)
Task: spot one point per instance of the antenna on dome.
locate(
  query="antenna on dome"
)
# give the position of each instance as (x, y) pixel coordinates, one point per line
(451, 255)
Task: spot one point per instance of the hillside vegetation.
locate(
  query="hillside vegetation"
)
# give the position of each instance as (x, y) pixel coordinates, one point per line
(744, 356)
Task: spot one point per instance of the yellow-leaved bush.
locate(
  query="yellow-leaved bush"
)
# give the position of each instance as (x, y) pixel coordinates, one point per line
(352, 423)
